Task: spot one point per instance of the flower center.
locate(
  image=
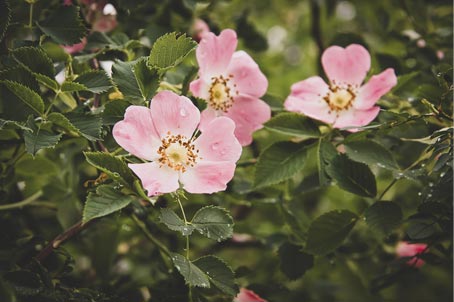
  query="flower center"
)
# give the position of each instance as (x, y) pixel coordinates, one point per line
(221, 94)
(177, 152)
(340, 98)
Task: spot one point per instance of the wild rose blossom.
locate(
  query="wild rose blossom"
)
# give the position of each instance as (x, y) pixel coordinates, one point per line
(344, 102)
(246, 295)
(231, 83)
(198, 29)
(405, 249)
(164, 135)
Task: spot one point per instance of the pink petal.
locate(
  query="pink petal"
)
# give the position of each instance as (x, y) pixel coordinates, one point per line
(208, 177)
(174, 113)
(206, 117)
(306, 97)
(247, 75)
(375, 88)
(215, 52)
(215, 147)
(154, 179)
(353, 117)
(346, 65)
(199, 88)
(137, 134)
(246, 295)
(249, 114)
(405, 249)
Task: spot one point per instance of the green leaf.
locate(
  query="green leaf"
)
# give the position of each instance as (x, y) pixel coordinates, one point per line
(89, 125)
(384, 216)
(72, 87)
(13, 124)
(175, 223)
(325, 154)
(135, 80)
(96, 81)
(193, 276)
(169, 50)
(26, 95)
(279, 162)
(213, 222)
(328, 231)
(371, 153)
(64, 25)
(62, 121)
(5, 18)
(35, 60)
(294, 261)
(219, 273)
(114, 111)
(352, 176)
(293, 124)
(105, 201)
(39, 166)
(38, 138)
(46, 81)
(112, 166)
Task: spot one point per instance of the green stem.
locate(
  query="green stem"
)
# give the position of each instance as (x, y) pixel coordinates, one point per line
(30, 18)
(387, 188)
(52, 103)
(22, 203)
(150, 236)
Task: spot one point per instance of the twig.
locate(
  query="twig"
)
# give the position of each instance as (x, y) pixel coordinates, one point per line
(316, 31)
(22, 203)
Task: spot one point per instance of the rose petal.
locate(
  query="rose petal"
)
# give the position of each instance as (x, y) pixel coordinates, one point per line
(355, 118)
(154, 179)
(215, 52)
(246, 295)
(375, 88)
(247, 75)
(249, 114)
(346, 65)
(137, 134)
(208, 177)
(174, 113)
(206, 117)
(199, 88)
(215, 147)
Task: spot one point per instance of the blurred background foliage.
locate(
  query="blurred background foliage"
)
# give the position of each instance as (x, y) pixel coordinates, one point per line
(111, 259)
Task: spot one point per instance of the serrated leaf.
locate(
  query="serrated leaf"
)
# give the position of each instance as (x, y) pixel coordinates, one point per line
(175, 223)
(293, 124)
(169, 50)
(325, 154)
(213, 222)
(72, 87)
(193, 276)
(147, 79)
(62, 121)
(105, 201)
(38, 138)
(5, 18)
(328, 231)
(352, 176)
(112, 166)
(13, 124)
(114, 111)
(279, 162)
(64, 25)
(35, 60)
(384, 216)
(96, 81)
(26, 95)
(371, 153)
(219, 274)
(89, 125)
(294, 261)
(46, 81)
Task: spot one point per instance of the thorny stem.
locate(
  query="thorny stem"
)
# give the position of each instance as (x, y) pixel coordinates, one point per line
(22, 203)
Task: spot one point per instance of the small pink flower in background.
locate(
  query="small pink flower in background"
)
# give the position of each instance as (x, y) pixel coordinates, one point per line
(246, 295)
(75, 48)
(164, 135)
(405, 249)
(344, 102)
(199, 28)
(231, 83)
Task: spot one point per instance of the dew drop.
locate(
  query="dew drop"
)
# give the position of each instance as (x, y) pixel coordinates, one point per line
(431, 184)
(183, 112)
(215, 146)
(419, 193)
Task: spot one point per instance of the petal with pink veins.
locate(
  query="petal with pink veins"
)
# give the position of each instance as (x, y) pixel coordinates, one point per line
(215, 52)
(346, 65)
(375, 88)
(215, 147)
(137, 134)
(156, 180)
(247, 75)
(208, 177)
(355, 118)
(249, 114)
(174, 113)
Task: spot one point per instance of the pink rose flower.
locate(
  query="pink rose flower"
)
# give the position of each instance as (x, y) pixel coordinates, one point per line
(405, 249)
(231, 83)
(344, 102)
(246, 295)
(75, 48)
(199, 28)
(164, 135)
